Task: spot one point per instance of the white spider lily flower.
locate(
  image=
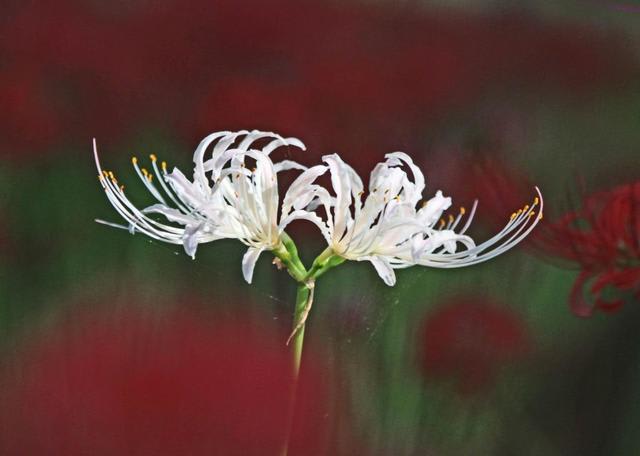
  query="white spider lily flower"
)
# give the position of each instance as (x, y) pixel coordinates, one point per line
(388, 231)
(225, 199)
(376, 230)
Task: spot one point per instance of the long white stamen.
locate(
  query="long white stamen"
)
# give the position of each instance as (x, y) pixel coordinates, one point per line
(146, 180)
(161, 176)
(132, 214)
(520, 223)
(470, 217)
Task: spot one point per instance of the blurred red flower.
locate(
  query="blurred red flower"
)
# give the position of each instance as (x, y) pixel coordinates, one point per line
(364, 78)
(132, 383)
(467, 340)
(603, 239)
(28, 116)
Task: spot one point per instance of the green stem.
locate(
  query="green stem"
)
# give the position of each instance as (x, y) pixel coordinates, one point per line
(287, 253)
(303, 295)
(302, 298)
(325, 261)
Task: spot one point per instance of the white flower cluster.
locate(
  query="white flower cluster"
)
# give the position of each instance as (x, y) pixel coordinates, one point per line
(234, 194)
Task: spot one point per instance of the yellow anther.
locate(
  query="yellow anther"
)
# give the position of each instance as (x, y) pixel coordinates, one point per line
(100, 177)
(122, 188)
(519, 212)
(526, 208)
(144, 172)
(536, 200)
(111, 176)
(513, 216)
(105, 173)
(153, 157)
(150, 177)
(462, 211)
(442, 222)
(451, 218)
(540, 216)
(134, 160)
(164, 166)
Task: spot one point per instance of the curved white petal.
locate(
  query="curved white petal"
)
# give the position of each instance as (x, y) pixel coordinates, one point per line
(417, 187)
(322, 198)
(249, 262)
(432, 210)
(286, 165)
(273, 145)
(342, 180)
(186, 190)
(310, 216)
(198, 158)
(190, 239)
(301, 186)
(255, 135)
(383, 268)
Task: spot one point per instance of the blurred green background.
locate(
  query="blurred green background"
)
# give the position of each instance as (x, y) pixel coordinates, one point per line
(550, 89)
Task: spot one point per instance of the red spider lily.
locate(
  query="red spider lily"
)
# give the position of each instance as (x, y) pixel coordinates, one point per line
(603, 238)
(135, 384)
(468, 340)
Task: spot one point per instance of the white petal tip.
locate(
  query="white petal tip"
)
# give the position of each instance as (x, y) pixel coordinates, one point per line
(249, 262)
(295, 142)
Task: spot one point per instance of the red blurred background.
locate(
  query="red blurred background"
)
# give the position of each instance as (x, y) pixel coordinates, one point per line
(112, 344)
